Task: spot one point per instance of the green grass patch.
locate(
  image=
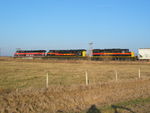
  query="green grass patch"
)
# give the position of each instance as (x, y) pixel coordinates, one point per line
(120, 107)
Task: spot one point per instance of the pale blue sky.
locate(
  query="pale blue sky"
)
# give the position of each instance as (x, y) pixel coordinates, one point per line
(72, 24)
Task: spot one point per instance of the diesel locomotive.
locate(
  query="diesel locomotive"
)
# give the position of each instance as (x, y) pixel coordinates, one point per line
(113, 54)
(67, 54)
(29, 53)
(70, 53)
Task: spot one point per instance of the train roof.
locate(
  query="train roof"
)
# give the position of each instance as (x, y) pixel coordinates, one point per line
(31, 51)
(70, 50)
(112, 49)
(118, 50)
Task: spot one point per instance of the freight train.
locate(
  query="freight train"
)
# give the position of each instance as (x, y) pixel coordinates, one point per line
(96, 54)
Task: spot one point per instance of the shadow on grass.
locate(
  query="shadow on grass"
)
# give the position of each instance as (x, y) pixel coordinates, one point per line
(121, 107)
(94, 109)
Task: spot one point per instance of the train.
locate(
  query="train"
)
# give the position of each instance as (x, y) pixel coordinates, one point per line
(94, 54)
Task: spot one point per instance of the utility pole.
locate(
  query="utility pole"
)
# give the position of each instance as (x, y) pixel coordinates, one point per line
(90, 49)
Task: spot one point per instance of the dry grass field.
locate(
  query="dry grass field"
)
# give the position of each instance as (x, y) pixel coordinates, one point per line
(23, 86)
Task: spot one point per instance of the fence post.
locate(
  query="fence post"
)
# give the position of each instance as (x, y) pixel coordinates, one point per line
(139, 73)
(86, 78)
(47, 80)
(116, 74)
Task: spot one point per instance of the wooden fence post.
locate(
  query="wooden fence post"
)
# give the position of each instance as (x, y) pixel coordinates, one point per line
(47, 80)
(139, 73)
(116, 74)
(86, 78)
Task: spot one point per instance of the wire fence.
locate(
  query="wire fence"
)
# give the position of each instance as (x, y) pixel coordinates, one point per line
(73, 76)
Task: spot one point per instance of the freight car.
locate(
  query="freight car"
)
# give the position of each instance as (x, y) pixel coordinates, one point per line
(112, 54)
(144, 54)
(67, 54)
(29, 53)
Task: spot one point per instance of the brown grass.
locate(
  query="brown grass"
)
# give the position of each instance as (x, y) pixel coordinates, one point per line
(22, 84)
(72, 98)
(20, 73)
